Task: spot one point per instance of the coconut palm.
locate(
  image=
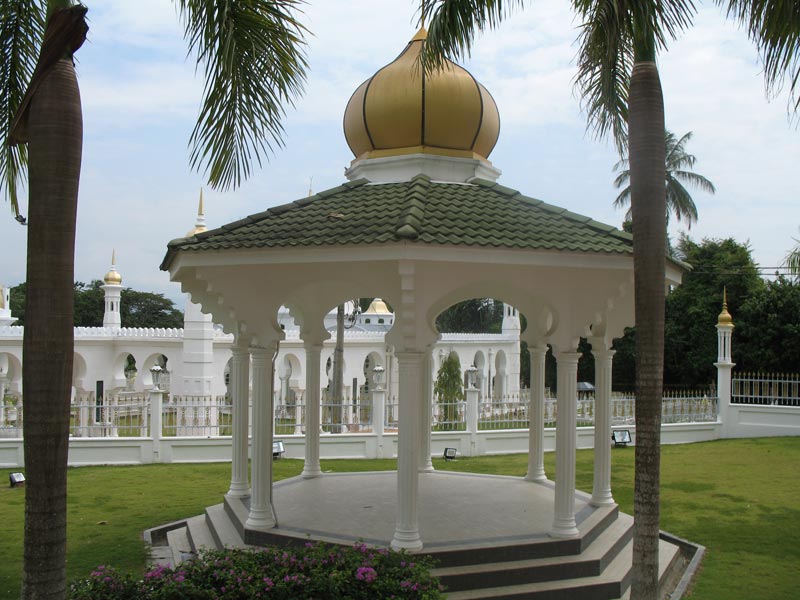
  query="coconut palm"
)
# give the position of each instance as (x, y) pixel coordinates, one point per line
(620, 86)
(792, 260)
(253, 58)
(678, 161)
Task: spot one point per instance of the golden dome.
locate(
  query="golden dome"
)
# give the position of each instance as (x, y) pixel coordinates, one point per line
(725, 317)
(398, 111)
(113, 277)
(377, 306)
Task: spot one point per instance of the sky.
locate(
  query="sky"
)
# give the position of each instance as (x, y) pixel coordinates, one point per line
(141, 95)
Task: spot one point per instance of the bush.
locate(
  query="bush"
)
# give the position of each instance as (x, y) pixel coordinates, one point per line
(314, 571)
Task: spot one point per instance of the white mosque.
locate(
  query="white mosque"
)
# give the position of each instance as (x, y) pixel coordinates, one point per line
(196, 359)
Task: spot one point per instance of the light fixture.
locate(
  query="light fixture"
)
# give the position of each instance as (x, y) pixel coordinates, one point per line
(155, 371)
(472, 371)
(277, 449)
(621, 437)
(16, 479)
(449, 454)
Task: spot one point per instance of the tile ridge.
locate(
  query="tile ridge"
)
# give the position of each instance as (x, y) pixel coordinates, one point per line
(409, 225)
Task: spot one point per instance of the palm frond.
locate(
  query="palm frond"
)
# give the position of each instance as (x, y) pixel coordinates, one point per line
(606, 55)
(679, 201)
(21, 32)
(694, 179)
(624, 198)
(253, 56)
(792, 260)
(605, 60)
(452, 25)
(774, 26)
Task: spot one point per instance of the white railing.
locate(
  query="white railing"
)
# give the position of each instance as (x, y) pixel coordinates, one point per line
(128, 414)
(449, 415)
(11, 416)
(775, 389)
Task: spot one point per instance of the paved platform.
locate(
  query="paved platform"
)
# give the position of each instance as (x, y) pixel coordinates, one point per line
(454, 509)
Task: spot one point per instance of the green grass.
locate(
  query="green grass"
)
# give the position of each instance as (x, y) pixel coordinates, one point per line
(736, 497)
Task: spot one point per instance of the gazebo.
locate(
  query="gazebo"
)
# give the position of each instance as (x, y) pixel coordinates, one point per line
(422, 223)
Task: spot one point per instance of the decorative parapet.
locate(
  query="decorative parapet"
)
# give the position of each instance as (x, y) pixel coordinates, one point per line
(11, 331)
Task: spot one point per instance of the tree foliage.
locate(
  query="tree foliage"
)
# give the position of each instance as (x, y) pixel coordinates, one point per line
(137, 309)
(767, 333)
(449, 387)
(479, 315)
(694, 306)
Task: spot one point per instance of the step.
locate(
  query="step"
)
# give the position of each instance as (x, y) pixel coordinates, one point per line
(222, 528)
(513, 572)
(611, 583)
(238, 512)
(179, 545)
(460, 555)
(199, 534)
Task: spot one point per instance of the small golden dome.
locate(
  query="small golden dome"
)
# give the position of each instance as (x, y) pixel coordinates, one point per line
(398, 111)
(377, 306)
(113, 277)
(725, 317)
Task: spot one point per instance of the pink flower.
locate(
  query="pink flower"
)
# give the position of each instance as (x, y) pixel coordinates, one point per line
(367, 574)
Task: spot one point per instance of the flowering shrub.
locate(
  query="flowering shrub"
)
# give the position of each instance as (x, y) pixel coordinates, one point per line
(314, 571)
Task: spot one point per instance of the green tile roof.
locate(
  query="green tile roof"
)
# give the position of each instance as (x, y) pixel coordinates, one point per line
(478, 214)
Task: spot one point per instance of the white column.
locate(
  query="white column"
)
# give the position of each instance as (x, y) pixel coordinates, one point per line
(262, 514)
(472, 396)
(311, 467)
(378, 416)
(406, 534)
(566, 434)
(724, 366)
(601, 490)
(425, 463)
(156, 409)
(240, 392)
(536, 412)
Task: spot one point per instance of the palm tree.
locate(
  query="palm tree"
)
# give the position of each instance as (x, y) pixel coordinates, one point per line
(679, 200)
(254, 63)
(792, 260)
(619, 82)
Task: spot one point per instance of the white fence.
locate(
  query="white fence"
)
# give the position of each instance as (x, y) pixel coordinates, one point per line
(766, 388)
(119, 429)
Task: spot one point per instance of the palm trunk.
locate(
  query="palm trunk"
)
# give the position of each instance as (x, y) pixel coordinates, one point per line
(648, 205)
(55, 141)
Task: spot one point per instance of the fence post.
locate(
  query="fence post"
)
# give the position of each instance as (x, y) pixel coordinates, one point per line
(378, 416)
(156, 405)
(724, 366)
(472, 394)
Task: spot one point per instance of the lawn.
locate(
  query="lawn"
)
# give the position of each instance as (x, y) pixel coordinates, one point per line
(736, 497)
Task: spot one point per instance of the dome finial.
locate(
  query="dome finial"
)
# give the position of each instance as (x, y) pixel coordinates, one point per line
(200, 224)
(725, 317)
(113, 277)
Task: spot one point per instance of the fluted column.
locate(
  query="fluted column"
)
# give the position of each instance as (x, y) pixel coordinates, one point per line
(412, 384)
(240, 391)
(601, 489)
(536, 412)
(262, 514)
(311, 467)
(566, 435)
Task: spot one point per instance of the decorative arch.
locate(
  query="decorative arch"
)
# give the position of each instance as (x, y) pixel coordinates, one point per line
(78, 372)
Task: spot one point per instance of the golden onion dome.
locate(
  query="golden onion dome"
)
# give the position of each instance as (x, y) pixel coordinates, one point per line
(113, 277)
(404, 110)
(725, 317)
